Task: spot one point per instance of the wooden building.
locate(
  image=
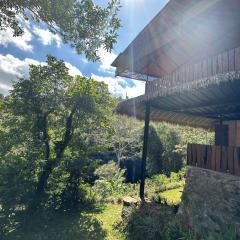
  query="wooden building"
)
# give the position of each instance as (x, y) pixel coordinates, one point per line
(189, 57)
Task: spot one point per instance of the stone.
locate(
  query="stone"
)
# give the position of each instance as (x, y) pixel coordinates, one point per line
(210, 200)
(129, 201)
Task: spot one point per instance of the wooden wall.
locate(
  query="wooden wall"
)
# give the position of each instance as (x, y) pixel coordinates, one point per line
(233, 133)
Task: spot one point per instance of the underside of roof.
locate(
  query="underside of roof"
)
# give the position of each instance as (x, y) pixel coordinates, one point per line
(189, 56)
(184, 31)
(202, 107)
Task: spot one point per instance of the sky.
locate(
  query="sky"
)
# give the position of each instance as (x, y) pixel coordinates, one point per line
(16, 53)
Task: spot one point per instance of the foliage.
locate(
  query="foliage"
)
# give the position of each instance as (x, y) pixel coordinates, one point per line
(175, 139)
(87, 223)
(84, 25)
(110, 181)
(147, 222)
(159, 184)
(110, 186)
(155, 153)
(50, 126)
(125, 139)
(172, 197)
(173, 161)
(109, 216)
(152, 221)
(166, 149)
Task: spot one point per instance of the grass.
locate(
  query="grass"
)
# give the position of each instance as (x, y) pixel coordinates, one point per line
(173, 196)
(108, 217)
(95, 223)
(82, 224)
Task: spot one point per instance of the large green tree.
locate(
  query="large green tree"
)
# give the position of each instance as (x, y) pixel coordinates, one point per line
(81, 23)
(51, 120)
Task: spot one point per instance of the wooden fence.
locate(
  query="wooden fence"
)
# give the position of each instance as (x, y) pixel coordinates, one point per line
(217, 158)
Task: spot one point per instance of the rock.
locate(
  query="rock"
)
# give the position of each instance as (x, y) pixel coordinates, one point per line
(211, 200)
(129, 201)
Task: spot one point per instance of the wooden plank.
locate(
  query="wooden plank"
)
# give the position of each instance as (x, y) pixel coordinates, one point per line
(174, 77)
(237, 161)
(237, 133)
(199, 156)
(215, 62)
(219, 64)
(231, 160)
(191, 73)
(225, 62)
(237, 58)
(195, 75)
(209, 67)
(177, 76)
(194, 155)
(231, 60)
(204, 68)
(218, 158)
(213, 158)
(209, 157)
(224, 162)
(191, 155)
(204, 155)
(187, 74)
(231, 133)
(200, 73)
(189, 152)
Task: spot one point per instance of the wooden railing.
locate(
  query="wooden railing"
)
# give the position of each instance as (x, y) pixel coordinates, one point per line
(217, 158)
(207, 71)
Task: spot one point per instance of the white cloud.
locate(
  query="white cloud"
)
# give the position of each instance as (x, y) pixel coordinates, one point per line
(12, 68)
(46, 37)
(73, 71)
(22, 42)
(106, 59)
(119, 86)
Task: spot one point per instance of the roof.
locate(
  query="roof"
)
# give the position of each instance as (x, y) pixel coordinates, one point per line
(189, 56)
(202, 107)
(184, 31)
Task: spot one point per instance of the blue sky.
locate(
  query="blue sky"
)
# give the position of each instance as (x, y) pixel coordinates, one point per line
(37, 42)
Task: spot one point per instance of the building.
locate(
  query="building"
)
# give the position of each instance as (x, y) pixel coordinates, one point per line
(189, 57)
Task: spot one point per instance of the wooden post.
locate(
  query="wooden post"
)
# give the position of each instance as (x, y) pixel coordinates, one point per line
(145, 149)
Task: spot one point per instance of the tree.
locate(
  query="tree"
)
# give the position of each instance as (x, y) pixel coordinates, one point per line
(155, 151)
(84, 25)
(126, 137)
(56, 112)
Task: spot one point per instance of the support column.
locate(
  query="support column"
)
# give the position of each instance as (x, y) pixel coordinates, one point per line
(145, 149)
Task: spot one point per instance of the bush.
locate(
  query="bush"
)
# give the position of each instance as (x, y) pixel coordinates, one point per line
(154, 221)
(109, 183)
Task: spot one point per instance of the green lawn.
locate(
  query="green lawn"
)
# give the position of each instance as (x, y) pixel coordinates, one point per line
(89, 224)
(111, 215)
(172, 197)
(82, 224)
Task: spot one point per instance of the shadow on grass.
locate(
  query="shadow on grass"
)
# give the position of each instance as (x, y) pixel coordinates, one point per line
(150, 221)
(153, 221)
(65, 225)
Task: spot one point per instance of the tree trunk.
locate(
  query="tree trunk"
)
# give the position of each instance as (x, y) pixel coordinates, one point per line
(51, 163)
